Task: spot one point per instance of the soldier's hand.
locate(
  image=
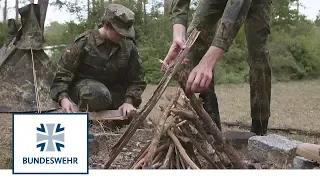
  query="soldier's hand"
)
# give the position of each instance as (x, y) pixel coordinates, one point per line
(201, 76)
(67, 105)
(127, 110)
(177, 45)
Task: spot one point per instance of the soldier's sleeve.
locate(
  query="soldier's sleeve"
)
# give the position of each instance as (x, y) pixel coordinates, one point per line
(178, 11)
(232, 19)
(67, 67)
(135, 79)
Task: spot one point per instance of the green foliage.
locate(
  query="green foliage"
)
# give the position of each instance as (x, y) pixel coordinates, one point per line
(3, 33)
(293, 42)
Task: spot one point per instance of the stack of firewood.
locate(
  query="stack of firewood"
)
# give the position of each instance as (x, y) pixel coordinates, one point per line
(179, 129)
(176, 143)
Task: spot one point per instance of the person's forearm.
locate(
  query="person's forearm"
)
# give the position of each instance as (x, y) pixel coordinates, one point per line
(178, 11)
(232, 19)
(179, 31)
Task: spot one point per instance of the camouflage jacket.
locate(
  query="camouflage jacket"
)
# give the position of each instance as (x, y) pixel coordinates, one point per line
(116, 66)
(226, 31)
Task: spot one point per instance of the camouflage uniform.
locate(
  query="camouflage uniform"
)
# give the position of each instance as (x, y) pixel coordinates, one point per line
(98, 74)
(255, 14)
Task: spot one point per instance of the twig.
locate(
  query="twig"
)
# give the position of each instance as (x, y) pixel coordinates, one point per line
(159, 131)
(141, 154)
(199, 148)
(157, 165)
(182, 150)
(191, 115)
(177, 158)
(168, 159)
(159, 149)
(135, 123)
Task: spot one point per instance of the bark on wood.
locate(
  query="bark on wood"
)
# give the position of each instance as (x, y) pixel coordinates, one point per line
(159, 149)
(136, 122)
(159, 131)
(182, 150)
(141, 154)
(168, 159)
(176, 157)
(204, 116)
(192, 116)
(200, 150)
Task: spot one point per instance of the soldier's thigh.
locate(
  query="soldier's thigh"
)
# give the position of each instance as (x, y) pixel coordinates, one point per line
(257, 24)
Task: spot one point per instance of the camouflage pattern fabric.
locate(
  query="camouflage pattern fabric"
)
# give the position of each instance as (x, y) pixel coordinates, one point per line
(17, 92)
(13, 27)
(121, 19)
(91, 95)
(255, 15)
(116, 67)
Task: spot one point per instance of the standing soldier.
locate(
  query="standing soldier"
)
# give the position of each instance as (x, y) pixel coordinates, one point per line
(101, 69)
(210, 47)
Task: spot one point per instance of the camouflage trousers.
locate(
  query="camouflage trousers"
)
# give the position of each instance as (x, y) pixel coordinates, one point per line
(257, 29)
(91, 95)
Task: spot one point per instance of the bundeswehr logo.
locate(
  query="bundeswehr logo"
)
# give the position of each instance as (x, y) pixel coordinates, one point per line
(50, 143)
(50, 137)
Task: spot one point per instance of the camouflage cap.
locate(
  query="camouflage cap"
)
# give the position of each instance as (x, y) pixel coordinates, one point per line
(121, 18)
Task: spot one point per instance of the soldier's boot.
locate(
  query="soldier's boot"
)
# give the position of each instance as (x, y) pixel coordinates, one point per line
(309, 151)
(210, 104)
(258, 127)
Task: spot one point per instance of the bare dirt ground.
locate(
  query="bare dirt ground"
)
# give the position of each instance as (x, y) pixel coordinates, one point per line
(293, 105)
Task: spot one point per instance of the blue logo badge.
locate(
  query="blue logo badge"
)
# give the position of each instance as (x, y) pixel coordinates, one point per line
(50, 136)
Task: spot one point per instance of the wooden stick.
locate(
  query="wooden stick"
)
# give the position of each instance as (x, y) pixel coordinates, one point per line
(157, 165)
(139, 164)
(159, 149)
(191, 115)
(181, 161)
(182, 151)
(206, 119)
(141, 154)
(177, 158)
(158, 157)
(168, 159)
(159, 131)
(200, 150)
(136, 122)
(190, 150)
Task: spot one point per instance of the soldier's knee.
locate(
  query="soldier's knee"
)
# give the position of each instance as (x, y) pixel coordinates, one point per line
(95, 98)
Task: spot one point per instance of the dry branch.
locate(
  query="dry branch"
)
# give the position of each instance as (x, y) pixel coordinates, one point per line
(182, 150)
(208, 122)
(159, 131)
(168, 159)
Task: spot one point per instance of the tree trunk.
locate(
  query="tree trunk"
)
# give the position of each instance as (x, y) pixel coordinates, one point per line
(32, 1)
(88, 7)
(17, 9)
(5, 11)
(43, 11)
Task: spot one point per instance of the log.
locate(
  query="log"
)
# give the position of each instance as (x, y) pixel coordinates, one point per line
(159, 131)
(136, 122)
